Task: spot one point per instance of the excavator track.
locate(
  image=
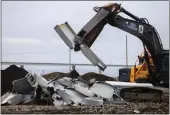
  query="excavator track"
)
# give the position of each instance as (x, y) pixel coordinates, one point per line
(144, 94)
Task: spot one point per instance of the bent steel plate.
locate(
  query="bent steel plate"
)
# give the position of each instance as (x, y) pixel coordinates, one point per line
(75, 96)
(5, 96)
(5, 100)
(92, 57)
(66, 82)
(127, 84)
(41, 81)
(83, 90)
(103, 89)
(22, 86)
(66, 33)
(14, 99)
(65, 97)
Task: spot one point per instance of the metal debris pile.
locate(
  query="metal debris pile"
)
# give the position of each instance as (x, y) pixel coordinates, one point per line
(61, 90)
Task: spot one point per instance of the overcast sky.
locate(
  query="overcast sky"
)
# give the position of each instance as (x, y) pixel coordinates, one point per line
(28, 33)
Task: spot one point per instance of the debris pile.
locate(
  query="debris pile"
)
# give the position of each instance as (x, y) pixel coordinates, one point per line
(9, 75)
(62, 90)
(88, 93)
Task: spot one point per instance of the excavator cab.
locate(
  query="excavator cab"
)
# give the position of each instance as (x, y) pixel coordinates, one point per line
(139, 72)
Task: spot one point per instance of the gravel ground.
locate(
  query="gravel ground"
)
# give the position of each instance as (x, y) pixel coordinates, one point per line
(128, 108)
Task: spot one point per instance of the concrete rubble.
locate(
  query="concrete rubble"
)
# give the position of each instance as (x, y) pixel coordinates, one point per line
(63, 91)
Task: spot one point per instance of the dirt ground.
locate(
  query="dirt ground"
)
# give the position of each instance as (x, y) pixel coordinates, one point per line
(86, 77)
(53, 75)
(98, 77)
(128, 108)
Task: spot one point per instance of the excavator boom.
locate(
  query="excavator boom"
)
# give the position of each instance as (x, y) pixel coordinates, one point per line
(138, 27)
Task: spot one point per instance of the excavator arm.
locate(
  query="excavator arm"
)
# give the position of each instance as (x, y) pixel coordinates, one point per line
(138, 27)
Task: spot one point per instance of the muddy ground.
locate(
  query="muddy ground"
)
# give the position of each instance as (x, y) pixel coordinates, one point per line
(128, 108)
